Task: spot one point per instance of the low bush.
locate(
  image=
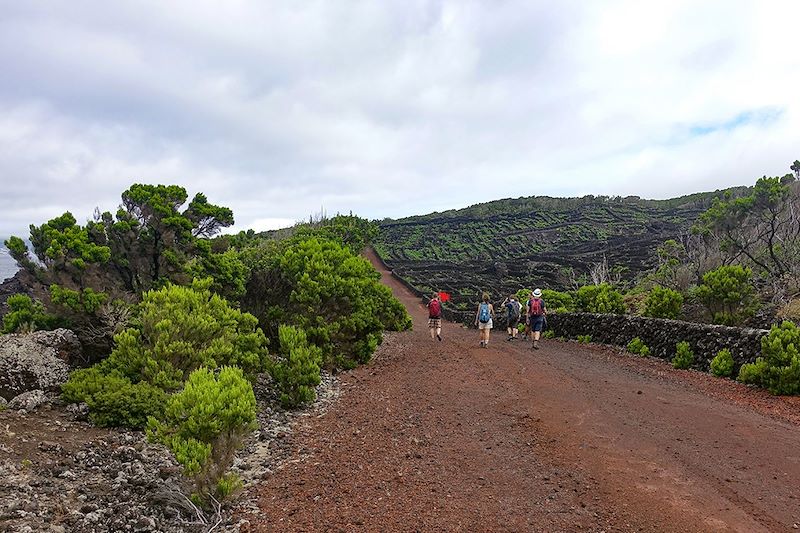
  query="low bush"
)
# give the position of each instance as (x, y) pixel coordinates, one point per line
(584, 339)
(297, 372)
(205, 423)
(722, 364)
(778, 368)
(557, 302)
(728, 294)
(601, 298)
(663, 303)
(26, 315)
(113, 400)
(548, 334)
(684, 356)
(636, 346)
(179, 329)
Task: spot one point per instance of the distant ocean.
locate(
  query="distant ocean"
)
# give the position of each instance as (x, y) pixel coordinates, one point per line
(8, 267)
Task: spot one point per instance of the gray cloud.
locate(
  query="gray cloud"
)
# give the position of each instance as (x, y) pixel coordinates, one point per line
(387, 108)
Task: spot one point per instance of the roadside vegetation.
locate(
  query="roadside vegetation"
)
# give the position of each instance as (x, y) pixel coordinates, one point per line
(178, 320)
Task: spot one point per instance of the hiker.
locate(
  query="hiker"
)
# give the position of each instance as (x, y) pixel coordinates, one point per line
(435, 316)
(483, 319)
(513, 308)
(526, 327)
(536, 316)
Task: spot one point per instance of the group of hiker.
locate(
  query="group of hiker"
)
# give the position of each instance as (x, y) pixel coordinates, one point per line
(533, 321)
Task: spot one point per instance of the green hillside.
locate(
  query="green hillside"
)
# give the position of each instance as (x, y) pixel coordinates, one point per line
(505, 245)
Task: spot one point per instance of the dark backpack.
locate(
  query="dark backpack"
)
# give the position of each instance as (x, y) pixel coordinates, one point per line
(434, 309)
(483, 314)
(536, 307)
(513, 310)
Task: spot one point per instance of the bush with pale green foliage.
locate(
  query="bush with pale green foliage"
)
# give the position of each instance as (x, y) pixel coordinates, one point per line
(179, 330)
(602, 298)
(26, 315)
(636, 346)
(728, 294)
(297, 370)
(684, 356)
(722, 364)
(778, 368)
(663, 303)
(205, 423)
(321, 287)
(584, 339)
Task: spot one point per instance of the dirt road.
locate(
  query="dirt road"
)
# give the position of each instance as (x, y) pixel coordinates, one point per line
(446, 436)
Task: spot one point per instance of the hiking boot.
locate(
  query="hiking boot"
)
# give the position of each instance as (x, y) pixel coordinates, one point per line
(439, 337)
(535, 345)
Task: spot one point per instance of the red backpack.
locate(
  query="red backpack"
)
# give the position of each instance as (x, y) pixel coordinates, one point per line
(434, 309)
(536, 307)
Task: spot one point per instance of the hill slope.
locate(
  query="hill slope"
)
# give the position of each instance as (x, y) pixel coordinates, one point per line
(504, 245)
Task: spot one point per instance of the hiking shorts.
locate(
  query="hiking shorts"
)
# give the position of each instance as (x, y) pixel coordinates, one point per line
(513, 322)
(435, 323)
(537, 323)
(485, 325)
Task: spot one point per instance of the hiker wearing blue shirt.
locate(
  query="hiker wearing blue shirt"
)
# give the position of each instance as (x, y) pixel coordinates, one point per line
(483, 319)
(536, 316)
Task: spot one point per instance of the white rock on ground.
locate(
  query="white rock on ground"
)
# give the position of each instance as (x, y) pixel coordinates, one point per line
(34, 361)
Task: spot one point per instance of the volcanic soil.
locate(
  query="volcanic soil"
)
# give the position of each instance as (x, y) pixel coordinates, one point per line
(446, 436)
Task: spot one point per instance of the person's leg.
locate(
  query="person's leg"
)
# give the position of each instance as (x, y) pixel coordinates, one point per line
(439, 330)
(432, 331)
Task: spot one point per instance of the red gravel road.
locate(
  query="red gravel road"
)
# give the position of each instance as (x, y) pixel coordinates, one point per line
(450, 437)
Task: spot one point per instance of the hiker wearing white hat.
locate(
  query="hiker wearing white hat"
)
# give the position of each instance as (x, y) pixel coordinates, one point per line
(536, 316)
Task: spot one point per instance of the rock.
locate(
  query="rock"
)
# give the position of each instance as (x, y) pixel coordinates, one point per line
(39, 360)
(79, 410)
(145, 523)
(28, 400)
(3, 403)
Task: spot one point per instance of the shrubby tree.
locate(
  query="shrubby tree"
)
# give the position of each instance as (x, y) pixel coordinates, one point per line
(204, 424)
(778, 368)
(684, 356)
(728, 294)
(599, 299)
(722, 364)
(179, 329)
(319, 286)
(297, 371)
(88, 274)
(26, 315)
(663, 303)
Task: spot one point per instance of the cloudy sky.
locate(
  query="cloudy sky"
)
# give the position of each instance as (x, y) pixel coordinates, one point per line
(390, 108)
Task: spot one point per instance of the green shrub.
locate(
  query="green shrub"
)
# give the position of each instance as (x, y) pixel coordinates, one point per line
(684, 357)
(728, 294)
(205, 423)
(557, 302)
(584, 339)
(722, 364)
(297, 372)
(179, 329)
(112, 399)
(26, 315)
(548, 334)
(319, 286)
(663, 303)
(601, 298)
(636, 346)
(778, 368)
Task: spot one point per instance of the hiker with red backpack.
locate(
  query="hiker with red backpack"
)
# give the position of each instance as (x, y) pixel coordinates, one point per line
(536, 316)
(483, 319)
(435, 317)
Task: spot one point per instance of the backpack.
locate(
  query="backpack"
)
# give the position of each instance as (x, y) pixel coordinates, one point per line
(514, 308)
(483, 314)
(434, 309)
(535, 308)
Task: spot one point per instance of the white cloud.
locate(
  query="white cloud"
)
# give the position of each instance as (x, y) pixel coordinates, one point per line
(389, 108)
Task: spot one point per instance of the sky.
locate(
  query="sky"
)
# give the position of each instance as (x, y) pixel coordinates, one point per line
(280, 110)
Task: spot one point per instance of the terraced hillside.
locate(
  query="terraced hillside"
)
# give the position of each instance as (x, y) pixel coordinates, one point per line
(504, 245)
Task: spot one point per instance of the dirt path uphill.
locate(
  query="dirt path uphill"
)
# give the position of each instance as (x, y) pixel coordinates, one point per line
(446, 436)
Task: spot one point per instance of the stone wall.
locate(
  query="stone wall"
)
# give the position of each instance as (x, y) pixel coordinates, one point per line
(661, 335)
